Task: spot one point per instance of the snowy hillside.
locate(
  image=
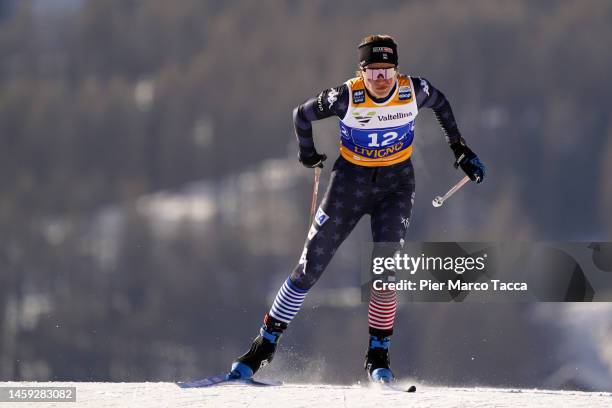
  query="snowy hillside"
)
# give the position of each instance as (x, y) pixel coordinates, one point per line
(101, 395)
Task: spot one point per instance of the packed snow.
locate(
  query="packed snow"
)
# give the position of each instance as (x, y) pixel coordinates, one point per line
(163, 394)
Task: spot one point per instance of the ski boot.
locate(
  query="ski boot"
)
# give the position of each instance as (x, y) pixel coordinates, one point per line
(377, 360)
(261, 351)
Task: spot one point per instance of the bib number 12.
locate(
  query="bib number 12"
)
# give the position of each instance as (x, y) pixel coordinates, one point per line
(388, 138)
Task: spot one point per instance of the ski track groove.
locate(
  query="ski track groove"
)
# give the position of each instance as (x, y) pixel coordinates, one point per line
(113, 395)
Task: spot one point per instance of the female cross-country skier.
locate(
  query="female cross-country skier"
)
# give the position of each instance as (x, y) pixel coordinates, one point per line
(372, 175)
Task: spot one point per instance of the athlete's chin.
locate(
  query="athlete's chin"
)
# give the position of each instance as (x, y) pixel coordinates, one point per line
(381, 92)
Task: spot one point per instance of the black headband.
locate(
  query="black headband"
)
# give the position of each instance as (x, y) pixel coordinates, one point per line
(378, 51)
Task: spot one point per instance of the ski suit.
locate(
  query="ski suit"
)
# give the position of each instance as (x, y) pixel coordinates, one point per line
(372, 175)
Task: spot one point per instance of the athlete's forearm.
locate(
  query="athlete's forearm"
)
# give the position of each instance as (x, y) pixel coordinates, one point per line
(303, 115)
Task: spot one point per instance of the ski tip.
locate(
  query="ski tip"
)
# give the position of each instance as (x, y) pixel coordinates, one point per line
(182, 384)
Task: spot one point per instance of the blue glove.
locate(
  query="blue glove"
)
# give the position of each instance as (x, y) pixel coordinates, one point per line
(468, 161)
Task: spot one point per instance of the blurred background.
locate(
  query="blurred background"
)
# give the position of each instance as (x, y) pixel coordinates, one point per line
(151, 202)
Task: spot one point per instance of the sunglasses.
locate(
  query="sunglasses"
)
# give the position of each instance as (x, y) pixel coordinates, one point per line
(374, 73)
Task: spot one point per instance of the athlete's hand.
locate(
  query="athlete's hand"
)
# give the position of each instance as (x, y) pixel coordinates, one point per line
(468, 161)
(311, 160)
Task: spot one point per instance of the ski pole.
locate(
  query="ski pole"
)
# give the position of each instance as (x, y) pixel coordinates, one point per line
(315, 189)
(438, 201)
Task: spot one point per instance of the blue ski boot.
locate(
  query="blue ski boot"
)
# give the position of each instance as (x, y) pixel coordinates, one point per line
(377, 360)
(261, 351)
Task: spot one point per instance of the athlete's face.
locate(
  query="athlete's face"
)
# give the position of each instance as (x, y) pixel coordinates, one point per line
(379, 78)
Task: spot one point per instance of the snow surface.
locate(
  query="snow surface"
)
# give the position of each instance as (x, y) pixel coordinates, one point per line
(163, 394)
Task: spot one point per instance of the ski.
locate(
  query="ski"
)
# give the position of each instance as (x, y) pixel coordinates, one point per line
(393, 386)
(224, 379)
(398, 388)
